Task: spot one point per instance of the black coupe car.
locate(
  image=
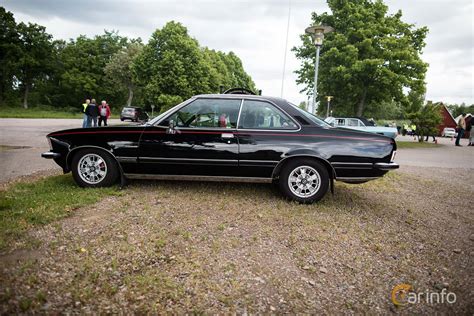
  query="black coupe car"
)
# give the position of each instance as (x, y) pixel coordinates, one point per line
(234, 137)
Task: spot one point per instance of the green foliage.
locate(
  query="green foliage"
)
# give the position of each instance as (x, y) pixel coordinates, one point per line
(83, 75)
(34, 62)
(426, 119)
(25, 205)
(119, 69)
(371, 60)
(458, 109)
(9, 53)
(172, 67)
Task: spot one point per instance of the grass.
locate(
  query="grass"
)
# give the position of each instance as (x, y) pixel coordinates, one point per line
(45, 112)
(207, 248)
(24, 205)
(39, 112)
(416, 145)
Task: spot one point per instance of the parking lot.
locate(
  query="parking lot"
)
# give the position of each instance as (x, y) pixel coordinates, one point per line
(207, 247)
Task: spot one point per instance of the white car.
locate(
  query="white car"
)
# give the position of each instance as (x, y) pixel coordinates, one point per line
(448, 132)
(361, 124)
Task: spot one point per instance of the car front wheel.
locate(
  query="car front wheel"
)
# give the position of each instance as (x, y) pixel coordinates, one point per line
(94, 168)
(304, 180)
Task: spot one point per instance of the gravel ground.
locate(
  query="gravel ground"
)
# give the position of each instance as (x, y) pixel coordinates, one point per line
(208, 247)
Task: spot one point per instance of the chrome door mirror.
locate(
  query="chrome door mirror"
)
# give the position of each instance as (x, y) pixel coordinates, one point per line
(171, 128)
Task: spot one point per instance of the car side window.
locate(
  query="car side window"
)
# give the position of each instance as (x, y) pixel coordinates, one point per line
(353, 122)
(208, 113)
(263, 115)
(340, 122)
(361, 124)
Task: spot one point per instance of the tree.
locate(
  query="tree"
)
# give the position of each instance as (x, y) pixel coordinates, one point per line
(36, 48)
(9, 51)
(371, 58)
(458, 109)
(426, 119)
(172, 66)
(83, 61)
(119, 69)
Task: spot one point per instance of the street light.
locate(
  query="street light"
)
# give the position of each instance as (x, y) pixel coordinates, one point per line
(317, 33)
(329, 98)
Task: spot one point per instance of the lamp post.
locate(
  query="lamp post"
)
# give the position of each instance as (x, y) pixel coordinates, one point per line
(329, 98)
(317, 33)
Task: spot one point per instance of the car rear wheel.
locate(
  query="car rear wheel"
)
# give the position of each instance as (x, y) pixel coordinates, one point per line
(94, 168)
(304, 180)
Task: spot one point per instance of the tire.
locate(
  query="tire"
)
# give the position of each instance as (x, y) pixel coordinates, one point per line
(91, 160)
(122, 119)
(314, 190)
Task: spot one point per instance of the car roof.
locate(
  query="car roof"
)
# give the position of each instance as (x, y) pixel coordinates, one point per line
(243, 96)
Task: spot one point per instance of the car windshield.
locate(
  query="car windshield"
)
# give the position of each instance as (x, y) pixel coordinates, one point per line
(313, 118)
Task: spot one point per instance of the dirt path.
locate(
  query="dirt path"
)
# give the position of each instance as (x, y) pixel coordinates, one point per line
(191, 247)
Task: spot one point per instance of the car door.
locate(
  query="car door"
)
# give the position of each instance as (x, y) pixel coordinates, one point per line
(264, 134)
(202, 142)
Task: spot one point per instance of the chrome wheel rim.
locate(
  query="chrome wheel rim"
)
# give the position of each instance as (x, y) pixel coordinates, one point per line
(92, 168)
(304, 181)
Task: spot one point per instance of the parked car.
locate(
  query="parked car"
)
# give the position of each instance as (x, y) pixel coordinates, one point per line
(362, 125)
(243, 138)
(135, 114)
(449, 132)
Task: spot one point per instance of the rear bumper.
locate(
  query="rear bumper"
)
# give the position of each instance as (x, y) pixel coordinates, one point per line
(50, 155)
(386, 165)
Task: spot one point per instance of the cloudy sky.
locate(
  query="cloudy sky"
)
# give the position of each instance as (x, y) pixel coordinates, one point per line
(256, 31)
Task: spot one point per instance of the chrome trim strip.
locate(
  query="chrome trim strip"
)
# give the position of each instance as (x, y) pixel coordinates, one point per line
(172, 159)
(355, 179)
(50, 155)
(352, 165)
(386, 165)
(240, 111)
(196, 178)
(127, 159)
(248, 163)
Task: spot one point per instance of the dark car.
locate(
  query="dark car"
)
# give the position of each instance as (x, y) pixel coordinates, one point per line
(242, 138)
(134, 114)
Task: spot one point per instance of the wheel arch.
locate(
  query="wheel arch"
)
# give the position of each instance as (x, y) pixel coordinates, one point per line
(325, 162)
(71, 153)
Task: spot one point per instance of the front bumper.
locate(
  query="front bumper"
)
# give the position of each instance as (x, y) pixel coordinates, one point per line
(50, 155)
(386, 165)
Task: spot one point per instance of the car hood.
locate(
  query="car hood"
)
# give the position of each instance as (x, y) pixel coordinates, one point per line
(98, 130)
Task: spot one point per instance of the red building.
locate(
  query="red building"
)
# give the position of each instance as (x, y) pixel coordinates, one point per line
(448, 119)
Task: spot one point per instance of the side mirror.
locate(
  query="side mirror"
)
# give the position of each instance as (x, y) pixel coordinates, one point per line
(171, 127)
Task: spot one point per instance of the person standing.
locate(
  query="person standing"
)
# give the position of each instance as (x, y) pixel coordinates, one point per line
(471, 131)
(92, 112)
(461, 128)
(84, 118)
(104, 113)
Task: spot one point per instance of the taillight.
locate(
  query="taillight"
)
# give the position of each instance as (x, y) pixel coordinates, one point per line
(394, 153)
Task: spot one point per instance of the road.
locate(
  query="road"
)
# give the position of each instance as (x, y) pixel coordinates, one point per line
(23, 140)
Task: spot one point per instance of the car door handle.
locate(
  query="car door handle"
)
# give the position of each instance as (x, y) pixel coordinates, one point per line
(227, 135)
